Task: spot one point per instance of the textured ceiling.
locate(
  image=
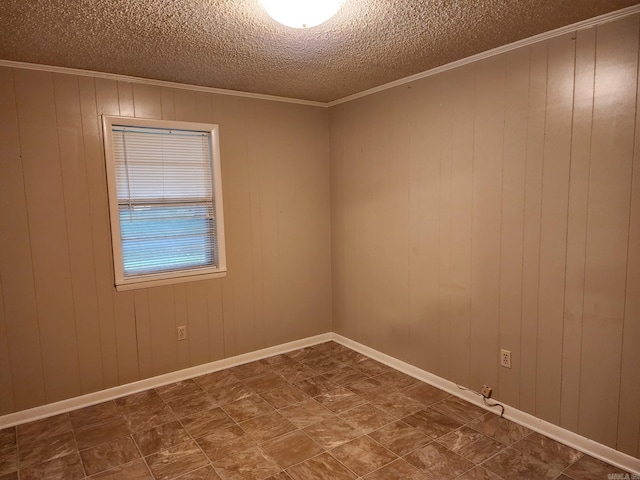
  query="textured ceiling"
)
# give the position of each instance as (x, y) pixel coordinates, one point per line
(233, 44)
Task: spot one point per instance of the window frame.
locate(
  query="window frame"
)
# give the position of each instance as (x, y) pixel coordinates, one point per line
(123, 282)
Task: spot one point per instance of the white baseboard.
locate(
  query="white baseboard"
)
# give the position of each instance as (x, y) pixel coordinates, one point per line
(89, 399)
(580, 443)
(550, 430)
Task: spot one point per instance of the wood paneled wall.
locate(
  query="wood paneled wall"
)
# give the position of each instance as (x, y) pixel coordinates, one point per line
(64, 330)
(497, 205)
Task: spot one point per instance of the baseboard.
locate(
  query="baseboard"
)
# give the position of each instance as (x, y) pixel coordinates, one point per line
(580, 443)
(89, 399)
(583, 444)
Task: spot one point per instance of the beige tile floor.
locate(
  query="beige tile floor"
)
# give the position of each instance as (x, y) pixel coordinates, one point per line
(323, 412)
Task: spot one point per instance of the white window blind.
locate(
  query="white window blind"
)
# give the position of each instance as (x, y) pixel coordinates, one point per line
(163, 200)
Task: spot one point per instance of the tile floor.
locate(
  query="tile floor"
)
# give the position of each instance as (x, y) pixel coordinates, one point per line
(323, 412)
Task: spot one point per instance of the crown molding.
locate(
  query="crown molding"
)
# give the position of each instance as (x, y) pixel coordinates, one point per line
(585, 24)
(157, 83)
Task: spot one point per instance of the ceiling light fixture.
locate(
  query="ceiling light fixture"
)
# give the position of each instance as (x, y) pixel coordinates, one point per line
(301, 13)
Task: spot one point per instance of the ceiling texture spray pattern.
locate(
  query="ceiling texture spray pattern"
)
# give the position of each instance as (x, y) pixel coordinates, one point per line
(235, 45)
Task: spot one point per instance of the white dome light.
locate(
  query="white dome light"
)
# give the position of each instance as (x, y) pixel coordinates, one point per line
(301, 13)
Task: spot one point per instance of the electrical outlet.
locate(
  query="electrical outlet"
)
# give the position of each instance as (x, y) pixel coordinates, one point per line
(505, 358)
(182, 332)
(486, 391)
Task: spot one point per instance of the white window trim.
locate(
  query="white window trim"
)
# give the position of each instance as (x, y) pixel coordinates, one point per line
(179, 276)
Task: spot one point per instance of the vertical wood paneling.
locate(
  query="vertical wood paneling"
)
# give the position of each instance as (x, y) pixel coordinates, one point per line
(48, 232)
(237, 286)
(424, 197)
(486, 220)
(387, 237)
(16, 265)
(198, 324)
(351, 225)
(78, 214)
(396, 210)
(180, 291)
(143, 333)
(167, 104)
(147, 101)
(220, 294)
(164, 346)
(302, 221)
(553, 226)
(360, 262)
(338, 123)
(485, 207)
(512, 225)
(125, 99)
(124, 302)
(577, 227)
(523, 221)
(608, 226)
(65, 330)
(180, 320)
(531, 236)
(216, 316)
(629, 414)
(195, 350)
(97, 97)
(7, 404)
(459, 98)
(260, 275)
(444, 247)
(164, 314)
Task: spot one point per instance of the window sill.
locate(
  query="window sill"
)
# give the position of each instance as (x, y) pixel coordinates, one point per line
(134, 284)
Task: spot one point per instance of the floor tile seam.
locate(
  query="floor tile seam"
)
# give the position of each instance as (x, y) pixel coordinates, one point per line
(473, 465)
(482, 463)
(486, 469)
(512, 446)
(257, 444)
(397, 457)
(18, 456)
(476, 466)
(195, 441)
(376, 429)
(175, 446)
(485, 461)
(75, 441)
(565, 470)
(17, 460)
(142, 457)
(504, 446)
(286, 470)
(80, 452)
(324, 450)
(531, 433)
(117, 415)
(98, 425)
(342, 463)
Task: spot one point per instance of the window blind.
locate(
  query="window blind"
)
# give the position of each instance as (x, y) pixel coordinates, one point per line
(165, 199)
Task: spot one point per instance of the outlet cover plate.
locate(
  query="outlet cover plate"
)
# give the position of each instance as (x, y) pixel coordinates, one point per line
(505, 358)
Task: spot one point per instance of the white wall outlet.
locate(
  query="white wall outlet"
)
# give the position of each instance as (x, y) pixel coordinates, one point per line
(182, 332)
(505, 358)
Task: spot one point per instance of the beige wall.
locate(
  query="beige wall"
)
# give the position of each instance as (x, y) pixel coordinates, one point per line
(492, 206)
(64, 330)
(497, 205)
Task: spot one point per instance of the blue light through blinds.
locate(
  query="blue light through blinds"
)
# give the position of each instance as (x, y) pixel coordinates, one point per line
(165, 199)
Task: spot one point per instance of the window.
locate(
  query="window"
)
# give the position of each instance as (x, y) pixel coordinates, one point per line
(165, 201)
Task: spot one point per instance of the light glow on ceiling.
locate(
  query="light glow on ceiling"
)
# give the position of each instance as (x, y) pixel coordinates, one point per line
(301, 13)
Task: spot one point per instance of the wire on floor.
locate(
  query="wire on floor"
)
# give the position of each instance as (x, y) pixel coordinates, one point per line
(484, 399)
